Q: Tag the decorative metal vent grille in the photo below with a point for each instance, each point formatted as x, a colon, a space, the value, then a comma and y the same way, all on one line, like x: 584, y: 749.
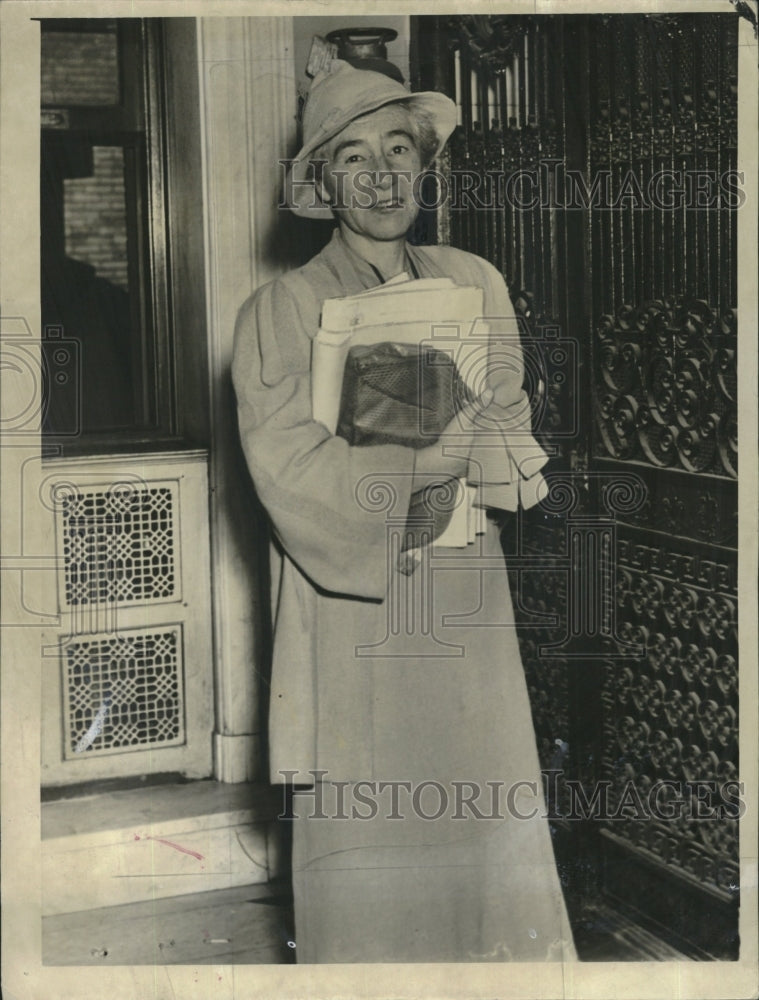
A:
x: 119, y: 545
x: 123, y: 692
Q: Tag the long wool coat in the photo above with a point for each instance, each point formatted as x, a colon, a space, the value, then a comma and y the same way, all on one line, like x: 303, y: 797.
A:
x: 412, y: 680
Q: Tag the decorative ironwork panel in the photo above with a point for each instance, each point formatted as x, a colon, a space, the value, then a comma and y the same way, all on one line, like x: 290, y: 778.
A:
x: 537, y: 594
x: 503, y: 154
x: 670, y: 719
x: 662, y: 255
x: 538, y: 579
x: 666, y: 387
x: 119, y: 544
x: 502, y: 205
x: 662, y: 156
x: 594, y: 164
x: 123, y: 692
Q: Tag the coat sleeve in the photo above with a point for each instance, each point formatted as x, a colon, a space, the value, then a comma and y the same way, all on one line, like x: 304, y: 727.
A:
x: 328, y: 502
x: 510, y: 478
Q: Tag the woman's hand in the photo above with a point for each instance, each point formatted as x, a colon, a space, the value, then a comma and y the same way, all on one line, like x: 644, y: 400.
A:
x: 448, y: 457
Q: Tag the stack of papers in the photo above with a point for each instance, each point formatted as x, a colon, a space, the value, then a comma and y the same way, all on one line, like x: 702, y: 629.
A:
x: 399, y: 312
x: 436, y: 313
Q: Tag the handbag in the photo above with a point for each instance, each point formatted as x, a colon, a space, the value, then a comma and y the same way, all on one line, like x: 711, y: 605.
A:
x: 404, y: 394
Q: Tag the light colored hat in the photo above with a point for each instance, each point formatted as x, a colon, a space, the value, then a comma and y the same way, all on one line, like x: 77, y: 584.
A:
x: 339, y: 95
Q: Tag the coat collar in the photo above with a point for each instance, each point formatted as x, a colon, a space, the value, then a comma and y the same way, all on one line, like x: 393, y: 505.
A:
x: 356, y: 274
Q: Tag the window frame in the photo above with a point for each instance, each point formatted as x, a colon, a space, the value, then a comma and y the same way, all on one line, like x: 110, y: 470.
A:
x: 138, y: 124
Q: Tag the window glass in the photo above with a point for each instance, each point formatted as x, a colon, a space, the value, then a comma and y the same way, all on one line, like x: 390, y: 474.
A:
x: 101, y: 239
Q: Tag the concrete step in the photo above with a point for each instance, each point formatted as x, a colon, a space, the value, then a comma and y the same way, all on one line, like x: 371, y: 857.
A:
x: 137, y: 845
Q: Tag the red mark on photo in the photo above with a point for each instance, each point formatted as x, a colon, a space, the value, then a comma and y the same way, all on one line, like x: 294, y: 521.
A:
x: 170, y: 843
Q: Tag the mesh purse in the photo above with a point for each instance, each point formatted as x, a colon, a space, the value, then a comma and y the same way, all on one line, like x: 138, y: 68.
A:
x: 404, y: 394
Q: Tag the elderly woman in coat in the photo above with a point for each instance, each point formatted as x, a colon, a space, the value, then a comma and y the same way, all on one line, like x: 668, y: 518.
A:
x: 419, y: 831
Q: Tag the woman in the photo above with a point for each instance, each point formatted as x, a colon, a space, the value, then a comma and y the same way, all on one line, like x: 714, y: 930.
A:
x: 423, y: 836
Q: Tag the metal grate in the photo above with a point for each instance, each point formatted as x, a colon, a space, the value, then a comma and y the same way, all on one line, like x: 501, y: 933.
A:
x: 123, y: 692
x: 650, y: 293
x: 119, y: 545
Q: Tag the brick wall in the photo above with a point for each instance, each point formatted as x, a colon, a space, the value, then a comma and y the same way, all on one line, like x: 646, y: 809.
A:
x: 79, y: 68
x: 95, y: 216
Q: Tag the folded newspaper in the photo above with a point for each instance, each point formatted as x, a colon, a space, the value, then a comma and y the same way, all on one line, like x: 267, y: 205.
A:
x: 440, y: 319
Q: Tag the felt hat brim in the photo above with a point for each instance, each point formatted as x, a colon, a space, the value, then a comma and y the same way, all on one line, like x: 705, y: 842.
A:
x: 337, y: 98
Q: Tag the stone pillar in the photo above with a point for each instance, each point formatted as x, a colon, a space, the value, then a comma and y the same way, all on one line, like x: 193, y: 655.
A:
x: 248, y: 107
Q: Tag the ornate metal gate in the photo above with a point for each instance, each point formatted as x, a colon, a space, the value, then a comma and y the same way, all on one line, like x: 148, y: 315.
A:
x: 595, y: 165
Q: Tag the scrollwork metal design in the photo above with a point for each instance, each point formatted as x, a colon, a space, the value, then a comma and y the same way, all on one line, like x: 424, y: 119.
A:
x: 660, y: 328
x: 666, y: 380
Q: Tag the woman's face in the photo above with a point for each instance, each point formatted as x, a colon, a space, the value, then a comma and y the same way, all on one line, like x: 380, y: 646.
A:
x: 370, y: 173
